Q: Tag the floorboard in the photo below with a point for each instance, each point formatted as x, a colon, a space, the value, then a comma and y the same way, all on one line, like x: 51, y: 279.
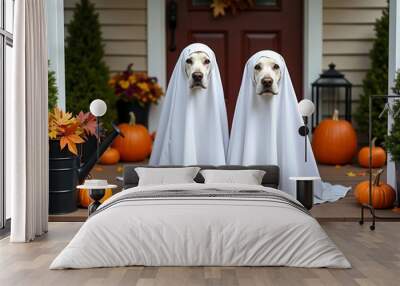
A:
x: 374, y: 255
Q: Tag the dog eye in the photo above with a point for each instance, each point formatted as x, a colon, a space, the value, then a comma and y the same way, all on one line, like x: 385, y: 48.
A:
x: 257, y: 67
x: 206, y: 61
x: 189, y: 61
x: 276, y: 67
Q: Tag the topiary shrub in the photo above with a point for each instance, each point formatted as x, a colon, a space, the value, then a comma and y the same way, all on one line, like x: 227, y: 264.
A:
x: 392, y: 141
x: 376, y: 81
x: 52, y: 90
x: 86, y: 74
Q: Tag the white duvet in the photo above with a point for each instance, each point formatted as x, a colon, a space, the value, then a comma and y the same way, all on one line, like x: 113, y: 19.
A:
x: 202, y: 231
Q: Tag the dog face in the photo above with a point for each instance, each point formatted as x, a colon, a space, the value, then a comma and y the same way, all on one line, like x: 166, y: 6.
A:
x: 267, y: 74
x: 197, y: 67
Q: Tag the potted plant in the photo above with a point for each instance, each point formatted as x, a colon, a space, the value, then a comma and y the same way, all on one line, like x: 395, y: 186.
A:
x: 67, y: 135
x: 135, y: 92
x: 392, y: 140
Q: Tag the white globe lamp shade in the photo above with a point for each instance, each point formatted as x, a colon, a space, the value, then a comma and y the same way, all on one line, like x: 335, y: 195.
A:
x: 306, y: 107
x: 98, y: 107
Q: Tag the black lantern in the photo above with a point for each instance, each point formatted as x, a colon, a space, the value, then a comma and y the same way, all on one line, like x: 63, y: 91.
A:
x: 331, y: 84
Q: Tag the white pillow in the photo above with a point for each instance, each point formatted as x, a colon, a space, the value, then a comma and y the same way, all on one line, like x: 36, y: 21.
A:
x: 166, y: 176
x: 248, y: 177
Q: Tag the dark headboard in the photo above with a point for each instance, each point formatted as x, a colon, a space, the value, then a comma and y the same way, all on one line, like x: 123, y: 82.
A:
x: 271, y: 177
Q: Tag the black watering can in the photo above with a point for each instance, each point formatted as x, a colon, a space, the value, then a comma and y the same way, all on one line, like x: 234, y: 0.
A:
x: 66, y: 171
x: 84, y: 170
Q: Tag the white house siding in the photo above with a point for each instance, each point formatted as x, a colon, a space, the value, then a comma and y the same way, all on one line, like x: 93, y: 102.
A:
x: 123, y: 25
x: 348, y: 31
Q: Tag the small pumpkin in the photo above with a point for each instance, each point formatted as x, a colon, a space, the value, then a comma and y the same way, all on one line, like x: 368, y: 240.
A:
x: 136, y: 143
x: 383, y: 195
x: 334, y: 141
x: 378, y: 156
x: 85, y: 200
x: 110, y: 156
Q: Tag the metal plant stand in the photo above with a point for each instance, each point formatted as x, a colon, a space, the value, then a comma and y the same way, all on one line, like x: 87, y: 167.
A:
x: 369, y: 206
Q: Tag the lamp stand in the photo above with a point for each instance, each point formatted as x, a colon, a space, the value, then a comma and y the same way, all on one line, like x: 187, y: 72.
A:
x: 303, y: 131
x: 98, y: 138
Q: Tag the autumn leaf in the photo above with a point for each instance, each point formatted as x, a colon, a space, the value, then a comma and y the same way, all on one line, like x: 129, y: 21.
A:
x: 351, y: 174
x: 53, y: 133
x: 62, y: 118
x: 63, y: 142
x: 88, y: 123
x: 218, y: 7
x: 70, y: 141
x: 75, y: 139
x: 72, y: 147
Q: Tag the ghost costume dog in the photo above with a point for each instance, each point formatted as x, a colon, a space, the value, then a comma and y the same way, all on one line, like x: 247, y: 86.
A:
x: 265, y: 131
x: 193, y: 126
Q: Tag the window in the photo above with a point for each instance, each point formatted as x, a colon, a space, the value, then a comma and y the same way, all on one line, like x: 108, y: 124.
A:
x: 6, y: 64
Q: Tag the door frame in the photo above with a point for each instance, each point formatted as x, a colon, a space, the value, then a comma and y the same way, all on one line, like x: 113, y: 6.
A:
x: 157, y: 47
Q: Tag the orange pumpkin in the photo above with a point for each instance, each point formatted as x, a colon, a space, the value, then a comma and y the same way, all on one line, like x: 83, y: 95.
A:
x: 136, y: 143
x: 85, y: 200
x: 334, y: 141
x: 383, y: 195
x: 110, y: 156
x: 378, y: 156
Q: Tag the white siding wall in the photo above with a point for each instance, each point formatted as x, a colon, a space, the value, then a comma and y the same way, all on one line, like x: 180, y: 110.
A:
x: 348, y: 31
x: 123, y: 24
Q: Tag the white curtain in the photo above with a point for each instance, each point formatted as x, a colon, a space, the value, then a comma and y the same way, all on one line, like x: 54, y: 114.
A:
x: 26, y: 124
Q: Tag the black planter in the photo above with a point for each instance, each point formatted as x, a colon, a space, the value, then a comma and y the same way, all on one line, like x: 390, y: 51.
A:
x: 63, y: 178
x: 141, y: 112
x: 397, y: 167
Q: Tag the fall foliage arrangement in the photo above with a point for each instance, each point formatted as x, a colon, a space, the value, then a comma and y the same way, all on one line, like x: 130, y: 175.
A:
x: 219, y: 7
x: 69, y: 129
x: 136, y: 86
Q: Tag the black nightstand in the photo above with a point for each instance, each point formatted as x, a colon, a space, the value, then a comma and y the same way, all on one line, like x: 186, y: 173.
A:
x: 305, y: 190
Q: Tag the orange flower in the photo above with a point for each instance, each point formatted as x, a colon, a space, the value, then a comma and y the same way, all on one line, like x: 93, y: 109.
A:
x: 132, y: 79
x: 124, y: 84
x: 143, y: 86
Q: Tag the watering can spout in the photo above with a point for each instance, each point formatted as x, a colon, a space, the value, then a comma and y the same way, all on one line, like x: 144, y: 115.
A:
x: 85, y: 169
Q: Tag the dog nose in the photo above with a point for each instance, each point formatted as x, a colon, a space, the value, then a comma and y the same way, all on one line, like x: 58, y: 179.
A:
x: 267, y: 81
x: 197, y: 76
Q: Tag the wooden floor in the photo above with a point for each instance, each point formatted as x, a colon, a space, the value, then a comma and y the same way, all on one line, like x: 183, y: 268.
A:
x: 374, y: 255
x: 346, y: 209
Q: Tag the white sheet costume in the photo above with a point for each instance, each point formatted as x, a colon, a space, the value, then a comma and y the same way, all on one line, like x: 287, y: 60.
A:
x: 265, y: 131
x: 193, y: 126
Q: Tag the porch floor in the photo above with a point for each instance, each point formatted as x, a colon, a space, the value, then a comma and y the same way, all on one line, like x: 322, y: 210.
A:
x: 346, y: 209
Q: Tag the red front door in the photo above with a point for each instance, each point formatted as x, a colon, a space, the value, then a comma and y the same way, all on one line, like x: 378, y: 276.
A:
x: 269, y: 25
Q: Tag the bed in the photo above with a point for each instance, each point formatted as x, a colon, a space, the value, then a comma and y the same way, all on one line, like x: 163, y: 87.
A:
x: 198, y: 224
